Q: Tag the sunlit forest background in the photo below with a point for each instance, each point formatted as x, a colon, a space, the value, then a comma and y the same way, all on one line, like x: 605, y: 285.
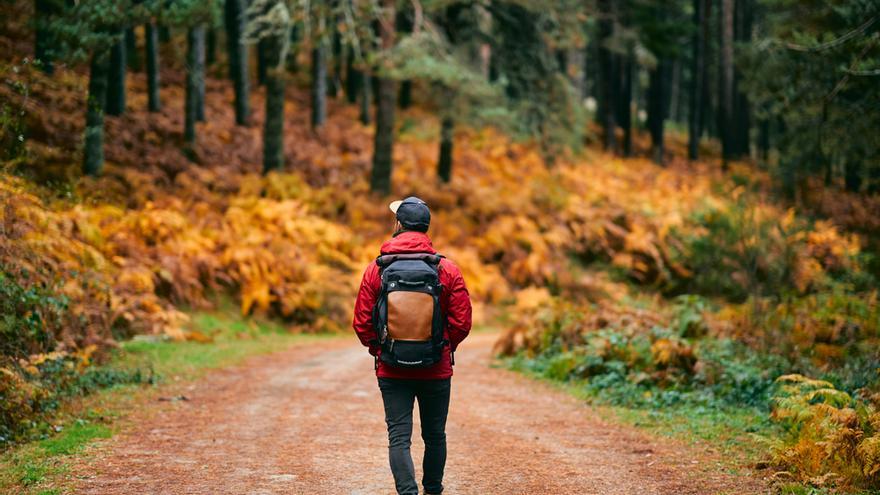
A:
x: 673, y: 205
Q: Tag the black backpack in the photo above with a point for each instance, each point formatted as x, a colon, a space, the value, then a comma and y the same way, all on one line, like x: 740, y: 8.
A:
x: 407, y: 317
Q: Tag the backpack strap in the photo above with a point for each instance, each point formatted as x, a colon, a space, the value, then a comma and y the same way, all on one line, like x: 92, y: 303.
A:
x: 429, y: 258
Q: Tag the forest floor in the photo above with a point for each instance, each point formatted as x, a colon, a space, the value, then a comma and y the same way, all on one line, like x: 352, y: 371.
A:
x: 310, y: 420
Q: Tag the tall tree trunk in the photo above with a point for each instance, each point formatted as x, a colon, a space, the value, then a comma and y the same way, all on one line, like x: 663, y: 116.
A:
x: 626, y: 103
x: 238, y: 58
x: 43, y: 39
x: 380, y: 179
x: 698, y: 78
x: 200, y: 70
x: 444, y: 162
x: 151, y: 35
x: 404, y: 99
x: 273, y: 130
x: 674, y: 85
x: 210, y: 46
x: 116, y: 79
x: 404, y: 23
x: 334, y: 84
x: 319, y: 85
x: 131, y: 52
x: 195, y: 39
x: 262, y: 63
x: 742, y: 110
x: 93, y: 149
x: 606, y: 75
x: 657, y: 105
x: 353, y: 79
x: 725, y: 82
x: 366, y: 94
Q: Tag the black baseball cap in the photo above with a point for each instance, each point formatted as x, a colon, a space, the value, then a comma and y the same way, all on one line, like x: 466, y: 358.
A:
x: 412, y: 213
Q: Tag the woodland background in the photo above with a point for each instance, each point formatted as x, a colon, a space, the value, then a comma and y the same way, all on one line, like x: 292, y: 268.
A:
x: 669, y: 204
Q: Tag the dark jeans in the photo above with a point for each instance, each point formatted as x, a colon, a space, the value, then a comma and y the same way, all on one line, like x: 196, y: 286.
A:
x: 433, y: 396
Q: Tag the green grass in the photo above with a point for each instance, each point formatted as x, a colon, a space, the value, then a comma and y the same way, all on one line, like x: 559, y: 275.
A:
x: 736, y: 432
x: 40, y: 467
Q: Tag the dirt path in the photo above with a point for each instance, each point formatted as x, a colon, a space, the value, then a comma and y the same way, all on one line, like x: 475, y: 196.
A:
x: 309, y: 421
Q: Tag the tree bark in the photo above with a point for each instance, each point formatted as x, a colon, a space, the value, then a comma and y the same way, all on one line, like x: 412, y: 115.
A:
x: 353, y: 79
x: 334, y: 83
x: 200, y: 70
x: 273, y: 130
x: 742, y: 109
x: 380, y: 179
x: 606, y: 76
x: 210, y: 46
x: 262, y: 63
x: 725, y: 82
x: 444, y: 162
x: 626, y: 103
x: 319, y: 85
x: 404, y: 99
x: 116, y: 79
x: 152, y: 48
x: 238, y: 58
x: 698, y: 79
x: 657, y: 105
x: 366, y: 97
x: 93, y: 149
x: 195, y: 38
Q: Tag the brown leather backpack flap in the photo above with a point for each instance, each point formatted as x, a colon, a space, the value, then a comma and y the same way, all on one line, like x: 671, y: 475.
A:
x: 410, y: 315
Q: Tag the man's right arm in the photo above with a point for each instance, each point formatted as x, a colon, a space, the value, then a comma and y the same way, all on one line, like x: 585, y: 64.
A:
x: 363, y: 309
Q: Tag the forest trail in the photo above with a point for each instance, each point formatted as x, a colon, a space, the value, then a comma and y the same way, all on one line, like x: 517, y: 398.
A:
x: 309, y: 420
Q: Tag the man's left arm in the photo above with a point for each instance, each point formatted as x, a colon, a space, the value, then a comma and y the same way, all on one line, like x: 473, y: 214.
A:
x: 458, y: 313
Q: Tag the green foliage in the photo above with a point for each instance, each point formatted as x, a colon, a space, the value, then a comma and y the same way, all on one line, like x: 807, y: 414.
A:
x: 814, y: 71
x: 93, y: 26
x: 29, y: 313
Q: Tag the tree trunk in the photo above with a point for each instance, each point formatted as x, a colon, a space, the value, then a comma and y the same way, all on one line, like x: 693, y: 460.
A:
x: 93, y: 149
x: 210, y: 46
x: 116, y: 79
x: 657, y: 105
x: 444, y: 162
x: 725, y: 82
x: 334, y: 83
x: 131, y: 52
x: 674, y: 84
x: 606, y: 76
x: 195, y: 38
x: 261, y: 62
x: 238, y: 58
x: 164, y: 34
x: 626, y: 103
x: 152, y: 48
x: 200, y: 70
x: 353, y: 79
x: 43, y: 39
x: 366, y: 97
x: 273, y: 130
x: 404, y: 99
x: 698, y: 79
x: 380, y: 179
x: 742, y: 110
x: 319, y: 85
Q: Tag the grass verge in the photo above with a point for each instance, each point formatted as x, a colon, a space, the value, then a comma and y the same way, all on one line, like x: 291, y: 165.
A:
x: 41, y: 467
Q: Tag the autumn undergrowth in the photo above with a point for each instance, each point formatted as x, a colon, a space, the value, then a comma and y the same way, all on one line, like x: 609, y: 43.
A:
x: 38, y: 463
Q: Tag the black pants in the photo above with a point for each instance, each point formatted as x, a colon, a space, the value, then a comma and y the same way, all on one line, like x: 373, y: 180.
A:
x: 433, y: 396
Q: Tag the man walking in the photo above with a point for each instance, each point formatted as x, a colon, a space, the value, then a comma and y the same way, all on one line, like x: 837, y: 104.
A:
x: 412, y: 311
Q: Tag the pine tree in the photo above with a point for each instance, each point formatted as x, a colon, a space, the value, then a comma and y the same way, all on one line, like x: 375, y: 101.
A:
x: 151, y: 35
x: 380, y: 177
x: 237, y: 54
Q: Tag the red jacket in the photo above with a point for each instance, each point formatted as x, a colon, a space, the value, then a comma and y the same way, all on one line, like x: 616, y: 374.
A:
x: 454, y: 301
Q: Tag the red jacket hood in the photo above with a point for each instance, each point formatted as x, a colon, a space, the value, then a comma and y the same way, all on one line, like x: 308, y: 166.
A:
x: 408, y: 242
